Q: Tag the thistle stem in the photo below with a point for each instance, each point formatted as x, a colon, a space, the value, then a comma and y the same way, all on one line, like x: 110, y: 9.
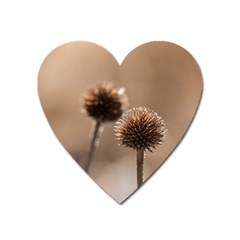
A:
x: 140, y: 161
x: 93, y: 140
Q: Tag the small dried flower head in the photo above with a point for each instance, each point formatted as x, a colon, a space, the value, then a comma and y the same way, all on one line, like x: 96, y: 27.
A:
x: 140, y: 128
x: 105, y: 102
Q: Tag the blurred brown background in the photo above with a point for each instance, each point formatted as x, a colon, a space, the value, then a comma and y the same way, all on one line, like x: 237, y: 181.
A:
x: 158, y: 75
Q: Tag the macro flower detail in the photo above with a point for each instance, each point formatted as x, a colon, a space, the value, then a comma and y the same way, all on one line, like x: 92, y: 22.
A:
x: 140, y: 128
x: 104, y: 102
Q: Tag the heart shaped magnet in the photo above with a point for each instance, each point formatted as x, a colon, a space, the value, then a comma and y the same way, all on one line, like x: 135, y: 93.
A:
x: 119, y: 122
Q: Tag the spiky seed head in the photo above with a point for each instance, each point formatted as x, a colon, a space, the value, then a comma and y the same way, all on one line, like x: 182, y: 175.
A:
x: 140, y: 128
x: 104, y: 102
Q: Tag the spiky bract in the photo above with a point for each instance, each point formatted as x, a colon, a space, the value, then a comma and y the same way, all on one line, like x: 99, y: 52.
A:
x: 104, y: 102
x: 140, y: 128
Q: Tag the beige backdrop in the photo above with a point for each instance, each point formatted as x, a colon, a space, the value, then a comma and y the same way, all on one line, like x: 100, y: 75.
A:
x: 158, y: 75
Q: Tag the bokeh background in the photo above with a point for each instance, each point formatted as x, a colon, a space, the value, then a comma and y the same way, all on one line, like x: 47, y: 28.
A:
x: 158, y: 75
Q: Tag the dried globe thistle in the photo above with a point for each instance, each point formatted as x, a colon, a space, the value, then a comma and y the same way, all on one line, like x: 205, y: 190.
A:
x: 103, y: 103
x: 141, y: 129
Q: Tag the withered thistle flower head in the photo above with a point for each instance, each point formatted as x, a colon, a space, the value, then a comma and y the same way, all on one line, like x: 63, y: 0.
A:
x: 104, y: 102
x: 140, y: 128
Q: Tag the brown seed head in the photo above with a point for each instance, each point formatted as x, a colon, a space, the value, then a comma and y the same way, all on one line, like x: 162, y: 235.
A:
x: 105, y: 102
x: 140, y: 128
